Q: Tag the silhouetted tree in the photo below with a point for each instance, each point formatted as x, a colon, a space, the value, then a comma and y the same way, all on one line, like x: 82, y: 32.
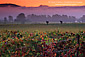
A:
x: 5, y: 20
x: 47, y: 22
x: 61, y: 22
x: 82, y: 18
x: 10, y: 19
x: 53, y: 18
x: 21, y: 18
x: 72, y: 19
x: 65, y: 18
x: 56, y: 17
x: 37, y: 18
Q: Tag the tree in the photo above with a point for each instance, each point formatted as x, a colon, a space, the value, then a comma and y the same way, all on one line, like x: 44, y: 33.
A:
x: 56, y: 17
x: 10, y: 19
x: 65, y: 18
x: 72, y: 19
x: 61, y: 22
x: 82, y: 18
x: 21, y: 18
x: 47, y: 22
x: 5, y: 20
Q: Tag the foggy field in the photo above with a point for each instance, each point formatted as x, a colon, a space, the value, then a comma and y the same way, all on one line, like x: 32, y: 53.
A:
x: 72, y: 27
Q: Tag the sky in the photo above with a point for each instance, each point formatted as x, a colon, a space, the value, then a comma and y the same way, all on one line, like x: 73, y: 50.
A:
x: 34, y: 3
x: 77, y: 12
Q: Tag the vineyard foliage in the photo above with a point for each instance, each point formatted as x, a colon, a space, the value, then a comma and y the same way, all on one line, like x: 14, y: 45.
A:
x: 41, y: 44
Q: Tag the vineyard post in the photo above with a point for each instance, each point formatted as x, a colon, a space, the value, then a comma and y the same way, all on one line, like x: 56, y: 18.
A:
x: 78, y: 37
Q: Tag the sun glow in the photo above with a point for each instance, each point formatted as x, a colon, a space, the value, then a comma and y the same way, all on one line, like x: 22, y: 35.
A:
x: 34, y: 3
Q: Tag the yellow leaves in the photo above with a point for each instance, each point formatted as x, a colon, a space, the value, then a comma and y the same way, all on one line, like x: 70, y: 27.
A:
x: 46, y: 36
x: 55, y: 55
x: 52, y: 40
x: 9, y: 51
x: 16, y: 52
x: 42, y: 46
x: 23, y: 37
x: 9, y: 39
x: 17, y: 38
x: 40, y: 36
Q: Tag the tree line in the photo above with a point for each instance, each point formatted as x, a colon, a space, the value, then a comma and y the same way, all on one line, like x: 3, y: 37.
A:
x: 21, y: 18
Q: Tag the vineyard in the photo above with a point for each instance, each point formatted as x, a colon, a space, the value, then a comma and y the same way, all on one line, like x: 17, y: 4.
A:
x: 41, y: 44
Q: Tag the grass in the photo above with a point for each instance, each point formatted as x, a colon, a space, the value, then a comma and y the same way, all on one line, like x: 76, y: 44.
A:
x: 70, y: 27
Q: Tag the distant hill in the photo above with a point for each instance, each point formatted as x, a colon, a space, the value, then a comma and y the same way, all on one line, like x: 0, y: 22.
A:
x: 62, y: 6
x: 9, y: 5
x: 45, y: 6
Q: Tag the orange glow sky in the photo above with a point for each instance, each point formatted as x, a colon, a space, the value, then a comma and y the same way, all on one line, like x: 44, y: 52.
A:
x: 35, y: 3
